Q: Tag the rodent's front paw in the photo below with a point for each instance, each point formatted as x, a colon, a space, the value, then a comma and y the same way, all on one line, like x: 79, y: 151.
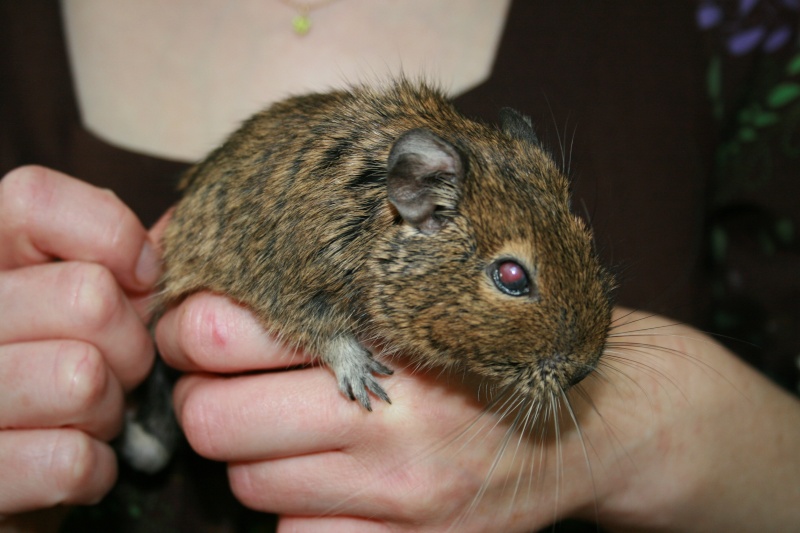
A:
x: 356, y: 384
x: 355, y: 368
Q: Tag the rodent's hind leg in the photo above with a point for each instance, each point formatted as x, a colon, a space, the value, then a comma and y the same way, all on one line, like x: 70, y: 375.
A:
x: 355, y: 367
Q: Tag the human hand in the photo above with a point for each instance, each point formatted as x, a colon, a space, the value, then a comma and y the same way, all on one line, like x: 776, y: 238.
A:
x: 75, y: 267
x: 668, y: 410
x: 703, y: 441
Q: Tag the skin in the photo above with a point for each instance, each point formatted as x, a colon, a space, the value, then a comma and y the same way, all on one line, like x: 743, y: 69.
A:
x: 681, y: 436
x: 669, y: 420
x: 74, y: 262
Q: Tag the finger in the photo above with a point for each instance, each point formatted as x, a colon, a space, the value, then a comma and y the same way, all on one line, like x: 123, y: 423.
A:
x: 341, y: 484
x: 308, y: 485
x: 79, y: 301
x: 45, y: 215
x: 267, y: 415
x: 211, y: 333
x: 156, y: 232
x: 144, y: 302
x: 282, y: 414
x: 381, y: 482
x: 58, y: 384
x: 43, y: 468
x: 332, y: 524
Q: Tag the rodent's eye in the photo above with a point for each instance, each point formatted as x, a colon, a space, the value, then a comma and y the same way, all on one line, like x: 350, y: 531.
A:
x: 511, y: 278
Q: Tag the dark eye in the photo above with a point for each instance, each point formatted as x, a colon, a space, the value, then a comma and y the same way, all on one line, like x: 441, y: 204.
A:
x: 511, y: 278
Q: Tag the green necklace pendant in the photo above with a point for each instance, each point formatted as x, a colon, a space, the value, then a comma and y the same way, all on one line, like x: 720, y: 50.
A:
x: 301, y: 24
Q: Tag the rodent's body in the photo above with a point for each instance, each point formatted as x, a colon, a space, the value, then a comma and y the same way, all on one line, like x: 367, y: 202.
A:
x: 382, y: 214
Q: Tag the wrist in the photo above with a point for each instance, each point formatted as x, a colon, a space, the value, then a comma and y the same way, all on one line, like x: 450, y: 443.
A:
x: 691, y: 439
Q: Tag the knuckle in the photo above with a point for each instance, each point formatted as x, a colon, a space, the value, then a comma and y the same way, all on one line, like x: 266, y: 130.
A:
x: 245, y: 486
x: 139, y: 360
x: 96, y: 298
x: 83, y: 377
x: 73, y: 460
x: 21, y: 190
x: 200, y: 421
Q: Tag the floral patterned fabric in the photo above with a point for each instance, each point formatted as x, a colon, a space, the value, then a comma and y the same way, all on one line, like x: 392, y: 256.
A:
x: 753, y: 85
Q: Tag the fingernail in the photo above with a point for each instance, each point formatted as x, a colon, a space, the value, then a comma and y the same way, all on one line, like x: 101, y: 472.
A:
x: 148, y: 267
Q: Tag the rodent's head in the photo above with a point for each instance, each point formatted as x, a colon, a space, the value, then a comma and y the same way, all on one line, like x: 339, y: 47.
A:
x: 488, y: 268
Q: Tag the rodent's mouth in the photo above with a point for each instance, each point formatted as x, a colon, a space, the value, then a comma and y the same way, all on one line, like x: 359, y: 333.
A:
x: 556, y: 374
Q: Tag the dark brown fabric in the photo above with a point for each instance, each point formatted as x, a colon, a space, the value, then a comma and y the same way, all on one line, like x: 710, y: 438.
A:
x: 40, y: 123
x: 625, y: 107
x: 641, y: 105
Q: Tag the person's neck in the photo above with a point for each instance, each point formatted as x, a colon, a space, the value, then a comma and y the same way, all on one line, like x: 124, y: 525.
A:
x: 174, y: 78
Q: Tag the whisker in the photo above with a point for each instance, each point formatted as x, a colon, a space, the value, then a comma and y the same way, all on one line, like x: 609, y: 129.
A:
x: 642, y: 366
x: 527, y: 421
x: 571, y: 412
x: 615, y: 322
x: 648, y: 350
x: 571, y: 150
x: 492, y: 468
x: 554, y: 409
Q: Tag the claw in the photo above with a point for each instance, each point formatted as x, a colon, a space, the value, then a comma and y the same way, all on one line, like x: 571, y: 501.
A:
x: 377, y: 390
x: 363, y: 397
x: 354, y: 368
x: 378, y: 368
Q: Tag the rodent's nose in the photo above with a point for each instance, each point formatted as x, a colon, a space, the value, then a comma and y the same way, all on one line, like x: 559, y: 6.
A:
x: 579, y: 375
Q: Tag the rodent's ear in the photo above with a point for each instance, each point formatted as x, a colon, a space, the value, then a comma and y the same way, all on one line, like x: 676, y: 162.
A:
x: 423, y: 175
x: 517, y: 125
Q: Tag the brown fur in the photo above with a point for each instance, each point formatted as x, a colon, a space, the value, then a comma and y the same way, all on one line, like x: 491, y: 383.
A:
x: 291, y: 217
